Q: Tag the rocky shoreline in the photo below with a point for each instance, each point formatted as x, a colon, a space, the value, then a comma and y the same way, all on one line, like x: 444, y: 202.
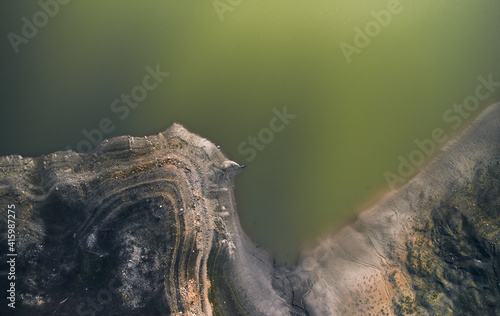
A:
x: 148, y: 226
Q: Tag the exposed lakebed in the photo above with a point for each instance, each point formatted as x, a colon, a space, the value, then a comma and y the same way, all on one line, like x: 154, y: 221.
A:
x: 355, y: 116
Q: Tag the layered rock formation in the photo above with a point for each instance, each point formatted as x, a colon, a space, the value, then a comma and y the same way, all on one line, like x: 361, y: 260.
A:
x: 139, y: 226
x: 148, y: 226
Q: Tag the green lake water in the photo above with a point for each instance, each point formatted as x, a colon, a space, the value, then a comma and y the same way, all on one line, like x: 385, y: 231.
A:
x: 230, y: 71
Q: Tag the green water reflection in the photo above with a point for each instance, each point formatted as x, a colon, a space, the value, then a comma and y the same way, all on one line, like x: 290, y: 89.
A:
x: 352, y: 119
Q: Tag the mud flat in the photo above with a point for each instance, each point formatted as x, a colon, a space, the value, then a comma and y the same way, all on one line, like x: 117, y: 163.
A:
x: 429, y: 248
x: 148, y: 226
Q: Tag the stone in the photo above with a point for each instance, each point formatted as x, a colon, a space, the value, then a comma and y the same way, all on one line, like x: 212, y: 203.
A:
x: 148, y: 226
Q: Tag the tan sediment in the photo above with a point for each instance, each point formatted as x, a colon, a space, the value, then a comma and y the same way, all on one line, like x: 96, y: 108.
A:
x: 156, y: 217
x: 360, y: 270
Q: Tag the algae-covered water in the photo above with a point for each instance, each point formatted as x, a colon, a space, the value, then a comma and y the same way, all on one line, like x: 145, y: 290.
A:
x: 327, y: 103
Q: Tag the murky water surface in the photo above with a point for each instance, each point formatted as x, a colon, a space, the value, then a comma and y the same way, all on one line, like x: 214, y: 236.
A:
x: 322, y: 100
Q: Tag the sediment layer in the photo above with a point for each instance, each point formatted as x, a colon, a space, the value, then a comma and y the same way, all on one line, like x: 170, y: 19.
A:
x: 429, y: 248
x: 148, y: 226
